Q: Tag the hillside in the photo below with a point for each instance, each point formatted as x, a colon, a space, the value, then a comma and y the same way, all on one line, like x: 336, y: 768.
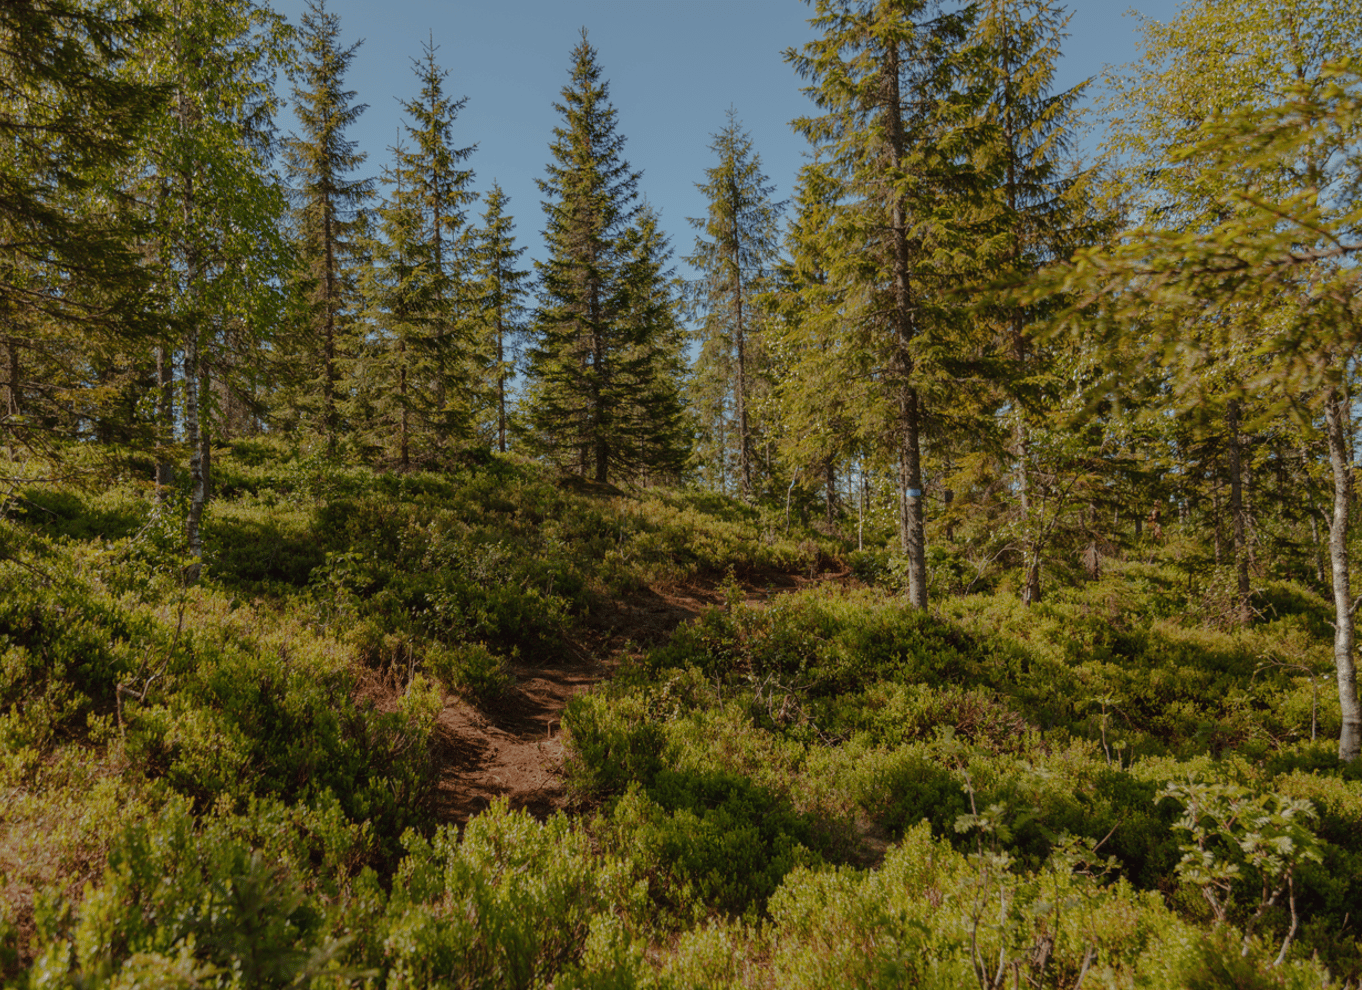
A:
x: 492, y: 728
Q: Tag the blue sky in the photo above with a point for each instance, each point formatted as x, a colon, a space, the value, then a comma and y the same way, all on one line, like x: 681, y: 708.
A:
x: 674, y: 67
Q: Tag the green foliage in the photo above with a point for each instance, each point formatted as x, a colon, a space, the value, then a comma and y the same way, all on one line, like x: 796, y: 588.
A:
x: 510, y: 901
x: 1023, y: 725
x: 830, y: 785
x: 603, y: 391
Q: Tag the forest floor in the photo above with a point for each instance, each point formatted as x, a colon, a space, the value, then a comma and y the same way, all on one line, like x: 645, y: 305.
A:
x: 513, y: 747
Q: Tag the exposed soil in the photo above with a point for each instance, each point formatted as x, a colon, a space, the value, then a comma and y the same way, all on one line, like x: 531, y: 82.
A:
x: 513, y: 747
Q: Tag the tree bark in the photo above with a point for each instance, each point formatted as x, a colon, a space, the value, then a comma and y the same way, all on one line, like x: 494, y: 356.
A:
x: 13, y: 406
x: 1219, y: 525
x: 501, y: 370
x: 861, y: 507
x: 829, y: 493
x: 190, y: 367
x: 404, y: 426
x: 1031, y: 584
x: 330, y: 288
x: 740, y: 385
x: 1350, y: 738
x: 905, y: 329
x: 205, y: 438
x: 1241, y: 557
x: 910, y: 502
x: 198, y: 490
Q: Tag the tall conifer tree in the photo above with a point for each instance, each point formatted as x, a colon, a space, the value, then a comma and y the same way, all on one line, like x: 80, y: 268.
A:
x: 593, y: 354
x: 653, y: 443
x: 328, y: 200
x: 898, y: 138
x: 498, y: 290
x: 70, y: 257
x: 734, y: 252
x: 402, y: 290
x: 827, y: 410
x: 1038, y: 220
x: 438, y: 184
x: 415, y: 371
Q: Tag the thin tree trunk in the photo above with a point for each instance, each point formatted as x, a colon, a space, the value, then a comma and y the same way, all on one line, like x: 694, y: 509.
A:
x: 1219, y: 525
x: 861, y: 505
x: 910, y: 495
x: 1350, y: 739
x: 13, y: 405
x: 1315, y: 514
x: 829, y: 492
x: 205, y: 438
x: 165, y: 417
x: 329, y: 288
x: 191, y: 369
x: 1031, y: 562
x: 501, y: 374
x: 1241, y: 560
x: 910, y: 454
x: 198, y: 489
x: 602, y: 447
x: 740, y: 394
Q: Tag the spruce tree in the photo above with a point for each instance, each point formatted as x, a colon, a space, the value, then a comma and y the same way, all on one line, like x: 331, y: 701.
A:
x: 412, y: 371
x: 328, y: 201
x: 592, y: 355
x: 826, y: 411
x: 1038, y: 222
x: 651, y: 426
x: 734, y: 252
x: 438, y: 187
x: 497, y: 292
x: 395, y: 368
x: 899, y: 137
x: 74, y: 287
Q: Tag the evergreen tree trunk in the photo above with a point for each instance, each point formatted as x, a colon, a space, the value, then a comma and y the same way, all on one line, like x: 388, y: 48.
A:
x: 329, y: 329
x: 1020, y: 436
x: 205, y: 438
x: 165, y: 415
x: 829, y: 492
x: 1241, y: 560
x: 197, y: 491
x: 861, y: 507
x: 740, y: 395
x: 1031, y: 585
x: 1219, y: 525
x: 501, y: 378
x: 910, y: 501
x: 191, y: 369
x: 910, y: 460
x: 404, y: 427
x: 1315, y: 515
x: 601, y: 447
x: 13, y: 405
x: 1350, y: 739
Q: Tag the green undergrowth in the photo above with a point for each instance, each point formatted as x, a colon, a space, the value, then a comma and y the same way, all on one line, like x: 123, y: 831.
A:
x: 226, y: 782
x: 290, y: 695
x: 772, y: 751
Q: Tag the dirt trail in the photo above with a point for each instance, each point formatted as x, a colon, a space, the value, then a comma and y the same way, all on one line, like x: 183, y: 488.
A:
x: 514, y: 746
